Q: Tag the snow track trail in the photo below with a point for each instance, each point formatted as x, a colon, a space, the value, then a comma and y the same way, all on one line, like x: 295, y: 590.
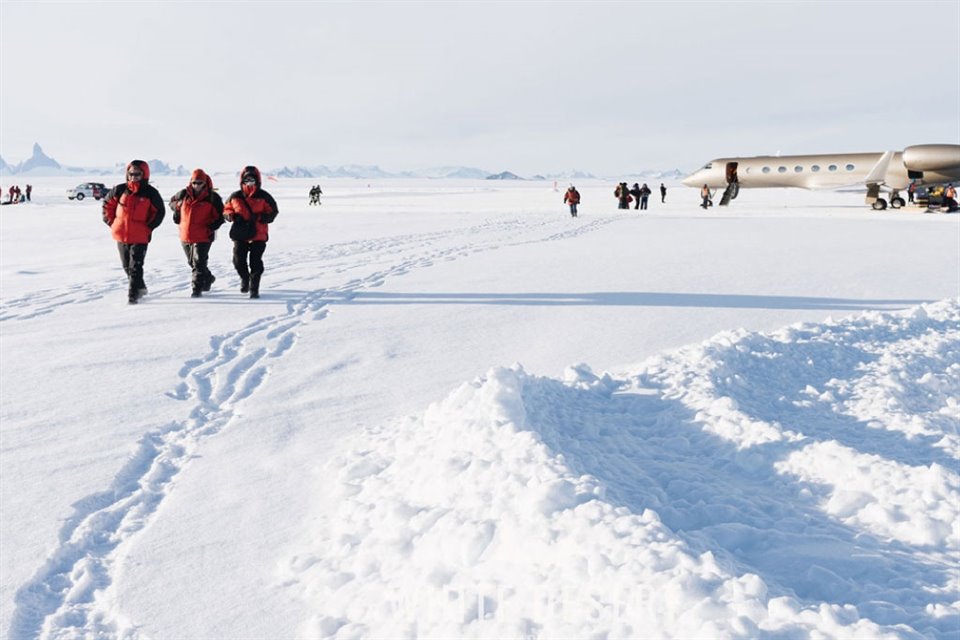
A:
x: 747, y: 486
x: 69, y: 596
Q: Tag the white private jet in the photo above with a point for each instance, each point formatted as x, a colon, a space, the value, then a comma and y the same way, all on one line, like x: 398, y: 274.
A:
x: 891, y: 171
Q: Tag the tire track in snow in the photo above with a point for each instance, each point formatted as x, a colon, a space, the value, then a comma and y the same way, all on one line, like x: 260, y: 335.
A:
x: 68, y: 596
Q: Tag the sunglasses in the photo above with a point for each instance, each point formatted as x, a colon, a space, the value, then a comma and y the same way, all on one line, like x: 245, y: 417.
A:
x: 199, y: 183
x: 250, y: 180
x: 134, y: 174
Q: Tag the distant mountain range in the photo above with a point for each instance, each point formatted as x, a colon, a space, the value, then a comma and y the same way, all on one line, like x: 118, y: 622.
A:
x: 39, y: 164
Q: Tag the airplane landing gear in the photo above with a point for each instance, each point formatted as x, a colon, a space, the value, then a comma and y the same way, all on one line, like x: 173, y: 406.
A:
x: 896, y: 201
x: 879, y: 204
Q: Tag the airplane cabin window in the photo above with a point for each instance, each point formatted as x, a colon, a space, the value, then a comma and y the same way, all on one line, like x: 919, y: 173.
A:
x: 782, y: 169
x: 798, y: 169
x: 832, y: 167
x: 850, y: 167
x: 766, y: 169
x: 815, y: 168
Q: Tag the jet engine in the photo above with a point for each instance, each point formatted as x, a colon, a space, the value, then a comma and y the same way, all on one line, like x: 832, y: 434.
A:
x: 942, y: 159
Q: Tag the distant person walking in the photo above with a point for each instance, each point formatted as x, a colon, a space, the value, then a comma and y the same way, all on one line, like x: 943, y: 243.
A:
x: 705, y: 194
x: 29, y: 191
x: 911, y: 191
x: 644, y: 195
x: 635, y: 193
x: 572, y: 198
x: 663, y: 193
x: 132, y: 210
x: 198, y: 209
x: 250, y: 207
x: 623, y: 196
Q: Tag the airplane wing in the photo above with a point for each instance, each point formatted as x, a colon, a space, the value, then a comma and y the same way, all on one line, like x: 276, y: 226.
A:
x: 878, y: 174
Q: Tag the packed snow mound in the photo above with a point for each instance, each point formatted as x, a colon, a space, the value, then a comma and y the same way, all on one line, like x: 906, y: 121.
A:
x: 680, y: 499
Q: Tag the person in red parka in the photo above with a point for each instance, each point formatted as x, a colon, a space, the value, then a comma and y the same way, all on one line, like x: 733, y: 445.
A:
x: 132, y: 210
x: 198, y: 210
x: 572, y: 197
x: 251, y: 203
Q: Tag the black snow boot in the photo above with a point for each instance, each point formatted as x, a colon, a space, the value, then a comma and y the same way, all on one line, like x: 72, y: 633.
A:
x: 208, y: 281
x: 195, y: 293
x: 244, y: 284
x: 255, y: 285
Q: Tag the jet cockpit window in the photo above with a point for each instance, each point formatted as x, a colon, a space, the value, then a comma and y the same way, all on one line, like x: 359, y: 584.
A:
x: 709, y: 165
x: 850, y: 167
x: 815, y: 168
x: 832, y: 167
x: 781, y: 169
x: 798, y: 169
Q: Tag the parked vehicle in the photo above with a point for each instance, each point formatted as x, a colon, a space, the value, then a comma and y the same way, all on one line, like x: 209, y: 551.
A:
x: 95, y: 190
x: 930, y: 196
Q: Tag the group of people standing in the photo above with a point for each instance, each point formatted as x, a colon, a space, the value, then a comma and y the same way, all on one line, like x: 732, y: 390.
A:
x: 15, y: 195
x: 625, y: 195
x: 134, y: 208
x: 636, y: 193
x: 315, y: 193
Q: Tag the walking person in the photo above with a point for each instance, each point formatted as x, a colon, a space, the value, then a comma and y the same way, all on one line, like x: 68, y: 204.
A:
x: 635, y: 192
x: 663, y: 193
x: 250, y: 208
x: 572, y: 197
x: 911, y: 191
x: 29, y: 191
x: 705, y: 194
x: 132, y: 210
x: 644, y: 195
x: 198, y: 209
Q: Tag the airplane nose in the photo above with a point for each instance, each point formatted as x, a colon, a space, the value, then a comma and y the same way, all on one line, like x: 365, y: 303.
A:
x: 691, y: 180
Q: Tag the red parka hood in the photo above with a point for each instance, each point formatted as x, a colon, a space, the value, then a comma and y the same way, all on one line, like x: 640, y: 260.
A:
x: 142, y: 166
x: 200, y: 174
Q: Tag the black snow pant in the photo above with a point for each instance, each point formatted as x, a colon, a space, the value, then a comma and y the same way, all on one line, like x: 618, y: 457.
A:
x: 198, y: 253
x: 643, y: 202
x: 132, y: 257
x: 241, y: 250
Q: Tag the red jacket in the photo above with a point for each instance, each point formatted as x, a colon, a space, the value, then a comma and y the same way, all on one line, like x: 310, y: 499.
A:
x: 133, y: 209
x: 572, y: 196
x: 252, y: 200
x: 199, y: 213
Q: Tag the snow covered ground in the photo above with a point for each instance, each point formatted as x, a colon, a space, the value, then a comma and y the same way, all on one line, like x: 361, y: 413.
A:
x: 458, y: 412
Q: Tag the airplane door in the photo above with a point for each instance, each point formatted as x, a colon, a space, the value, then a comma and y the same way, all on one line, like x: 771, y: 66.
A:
x: 732, y: 172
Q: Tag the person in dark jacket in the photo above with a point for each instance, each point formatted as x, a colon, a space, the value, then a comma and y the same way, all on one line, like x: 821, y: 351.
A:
x: 29, y: 191
x: 623, y: 196
x: 198, y: 210
x: 635, y: 192
x: 644, y: 195
x: 663, y: 193
x: 132, y: 210
x: 250, y: 203
x: 572, y: 197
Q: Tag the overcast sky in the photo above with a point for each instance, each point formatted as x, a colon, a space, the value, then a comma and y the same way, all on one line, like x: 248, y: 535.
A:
x: 530, y: 87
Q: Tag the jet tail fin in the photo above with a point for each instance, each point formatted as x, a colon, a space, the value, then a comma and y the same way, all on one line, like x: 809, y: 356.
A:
x: 878, y: 174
